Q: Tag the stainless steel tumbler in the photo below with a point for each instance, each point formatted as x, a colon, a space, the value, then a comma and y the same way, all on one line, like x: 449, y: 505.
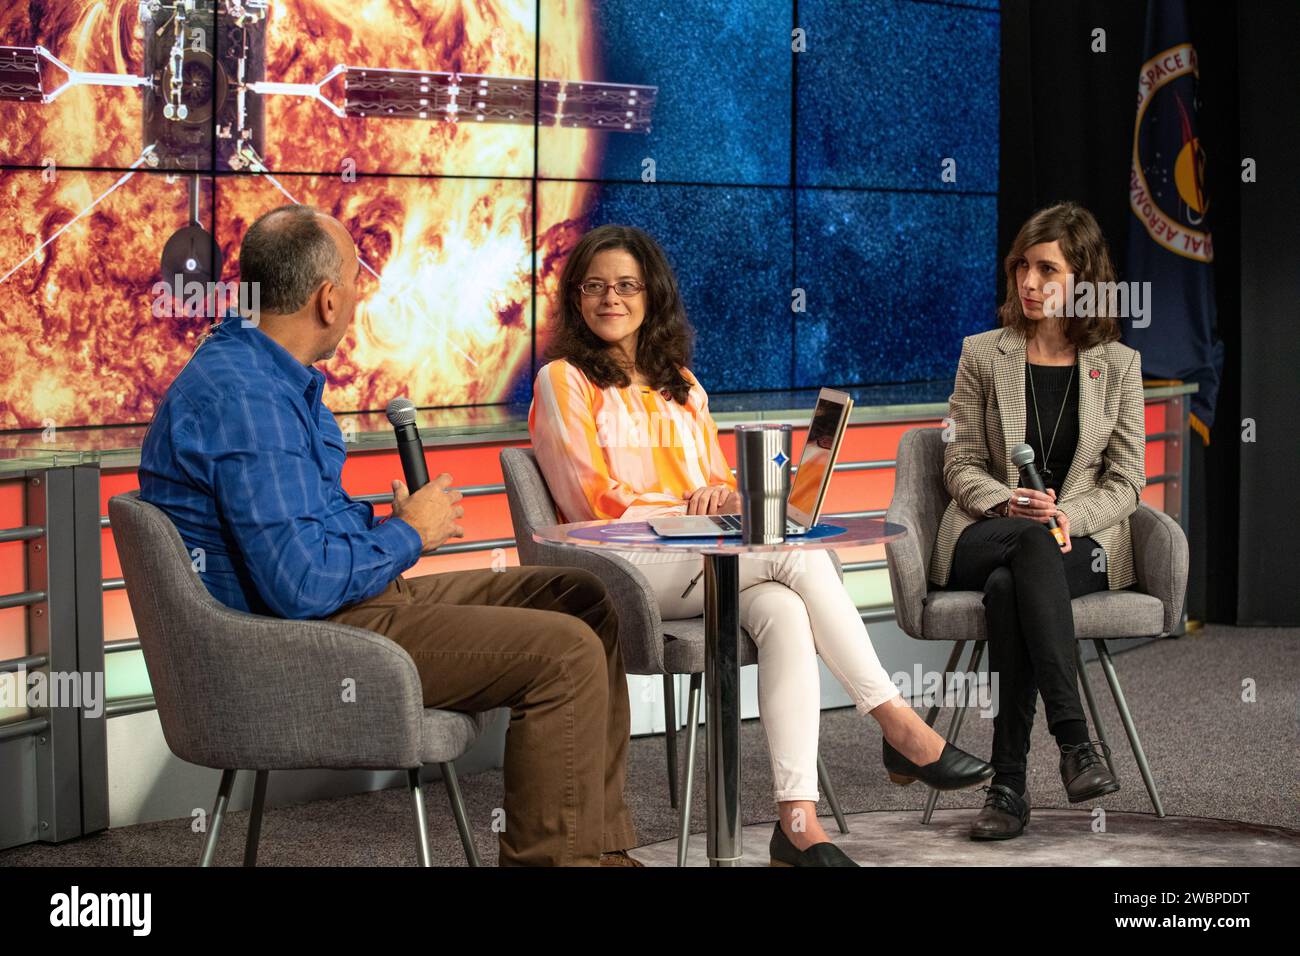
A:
x: 763, y: 477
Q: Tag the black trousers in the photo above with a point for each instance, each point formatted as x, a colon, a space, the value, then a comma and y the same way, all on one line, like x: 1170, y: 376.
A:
x: 1028, y: 585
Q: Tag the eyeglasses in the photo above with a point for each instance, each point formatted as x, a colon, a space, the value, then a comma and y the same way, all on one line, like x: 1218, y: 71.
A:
x: 625, y: 288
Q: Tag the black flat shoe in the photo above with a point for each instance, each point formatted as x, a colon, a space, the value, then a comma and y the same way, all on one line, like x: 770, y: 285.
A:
x: 954, y: 770
x: 1084, y: 772
x: 785, y: 853
x: 1004, y: 817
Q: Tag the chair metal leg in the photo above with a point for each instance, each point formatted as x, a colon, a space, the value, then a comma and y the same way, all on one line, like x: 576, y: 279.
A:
x: 1092, y: 707
x: 1139, y: 754
x: 255, y: 818
x: 957, y: 648
x: 458, y: 811
x: 824, y: 779
x: 670, y: 736
x: 218, y: 815
x: 954, y: 728
x: 692, y: 728
x: 421, y: 821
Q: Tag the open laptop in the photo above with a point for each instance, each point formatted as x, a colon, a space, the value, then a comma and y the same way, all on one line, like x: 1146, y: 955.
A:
x: 807, y: 490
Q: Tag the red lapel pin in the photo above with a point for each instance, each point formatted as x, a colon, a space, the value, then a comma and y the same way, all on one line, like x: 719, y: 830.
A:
x: 1094, y: 373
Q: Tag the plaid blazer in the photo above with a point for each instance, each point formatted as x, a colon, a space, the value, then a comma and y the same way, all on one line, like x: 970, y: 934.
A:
x: 987, y: 417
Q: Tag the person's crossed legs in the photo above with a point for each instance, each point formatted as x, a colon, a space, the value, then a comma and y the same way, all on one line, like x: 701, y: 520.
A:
x: 543, y: 642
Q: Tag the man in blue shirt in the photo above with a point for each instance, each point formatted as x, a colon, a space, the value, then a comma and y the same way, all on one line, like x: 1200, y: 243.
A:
x: 246, y: 459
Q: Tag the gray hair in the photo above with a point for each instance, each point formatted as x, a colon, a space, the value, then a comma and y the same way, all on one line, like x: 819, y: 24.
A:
x: 288, y: 253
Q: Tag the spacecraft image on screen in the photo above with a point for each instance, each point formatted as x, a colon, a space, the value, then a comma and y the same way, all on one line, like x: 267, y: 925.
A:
x: 466, y: 145
x: 140, y: 139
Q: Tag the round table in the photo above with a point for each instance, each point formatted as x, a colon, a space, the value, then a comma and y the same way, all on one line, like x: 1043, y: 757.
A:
x: 722, y: 636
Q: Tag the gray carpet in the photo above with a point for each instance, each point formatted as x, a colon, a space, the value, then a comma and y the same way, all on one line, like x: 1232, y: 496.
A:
x: 1077, y: 837
x: 1213, y: 756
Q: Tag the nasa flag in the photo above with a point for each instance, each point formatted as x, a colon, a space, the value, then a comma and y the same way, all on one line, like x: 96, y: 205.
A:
x: 1169, y: 232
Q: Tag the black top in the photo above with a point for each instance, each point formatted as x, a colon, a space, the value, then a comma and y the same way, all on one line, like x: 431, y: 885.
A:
x: 1050, y: 384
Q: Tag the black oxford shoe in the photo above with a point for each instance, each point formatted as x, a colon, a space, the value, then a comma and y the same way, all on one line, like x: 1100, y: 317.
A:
x: 1005, y: 814
x: 954, y: 770
x: 1084, y: 772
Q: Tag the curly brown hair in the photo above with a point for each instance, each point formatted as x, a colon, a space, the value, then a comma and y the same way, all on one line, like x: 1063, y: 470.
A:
x: 665, y: 339
x: 1085, y: 251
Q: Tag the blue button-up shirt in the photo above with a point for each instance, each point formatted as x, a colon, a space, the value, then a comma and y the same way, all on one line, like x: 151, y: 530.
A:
x: 245, y: 459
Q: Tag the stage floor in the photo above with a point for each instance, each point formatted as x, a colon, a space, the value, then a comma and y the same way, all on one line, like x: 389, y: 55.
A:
x: 1053, y: 838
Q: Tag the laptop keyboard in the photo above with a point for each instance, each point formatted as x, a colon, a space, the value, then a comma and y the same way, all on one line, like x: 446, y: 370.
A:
x: 732, y: 523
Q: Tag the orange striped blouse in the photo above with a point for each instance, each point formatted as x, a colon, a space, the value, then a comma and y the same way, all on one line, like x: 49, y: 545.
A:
x: 621, y: 452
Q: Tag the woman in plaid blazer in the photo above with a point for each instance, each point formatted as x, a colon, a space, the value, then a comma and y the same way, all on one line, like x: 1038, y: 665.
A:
x: 1053, y: 376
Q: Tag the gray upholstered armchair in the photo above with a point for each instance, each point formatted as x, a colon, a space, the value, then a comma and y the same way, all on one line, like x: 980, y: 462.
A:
x: 1153, y: 607
x: 237, y: 691
x: 649, y: 644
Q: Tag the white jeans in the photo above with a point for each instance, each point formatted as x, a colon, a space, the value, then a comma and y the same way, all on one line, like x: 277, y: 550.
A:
x: 794, y: 606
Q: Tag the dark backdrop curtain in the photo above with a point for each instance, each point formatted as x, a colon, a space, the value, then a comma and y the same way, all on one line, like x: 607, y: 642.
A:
x: 1269, y: 43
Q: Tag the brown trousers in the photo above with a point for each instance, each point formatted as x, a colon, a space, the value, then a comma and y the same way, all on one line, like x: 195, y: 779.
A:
x: 543, y: 642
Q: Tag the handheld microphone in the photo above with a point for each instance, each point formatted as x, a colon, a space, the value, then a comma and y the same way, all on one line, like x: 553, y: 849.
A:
x: 1022, y: 456
x: 401, y: 414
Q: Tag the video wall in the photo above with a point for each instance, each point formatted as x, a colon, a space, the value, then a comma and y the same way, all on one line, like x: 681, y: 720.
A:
x: 827, y: 194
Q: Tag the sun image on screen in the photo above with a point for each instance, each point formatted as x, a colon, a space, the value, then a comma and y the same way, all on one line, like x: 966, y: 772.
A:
x: 138, y: 140
x: 466, y: 145
x: 816, y: 460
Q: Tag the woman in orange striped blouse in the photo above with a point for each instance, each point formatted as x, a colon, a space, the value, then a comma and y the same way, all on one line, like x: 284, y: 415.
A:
x: 621, y: 429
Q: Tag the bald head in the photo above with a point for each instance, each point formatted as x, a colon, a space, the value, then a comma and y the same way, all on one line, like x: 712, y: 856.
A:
x: 289, y: 252
x: 305, y: 268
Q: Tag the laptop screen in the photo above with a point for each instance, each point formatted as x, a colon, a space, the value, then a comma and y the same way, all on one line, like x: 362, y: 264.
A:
x: 816, y: 458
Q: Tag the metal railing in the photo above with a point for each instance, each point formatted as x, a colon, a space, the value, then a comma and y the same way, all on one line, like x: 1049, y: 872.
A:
x: 64, y: 635
x: 138, y: 704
